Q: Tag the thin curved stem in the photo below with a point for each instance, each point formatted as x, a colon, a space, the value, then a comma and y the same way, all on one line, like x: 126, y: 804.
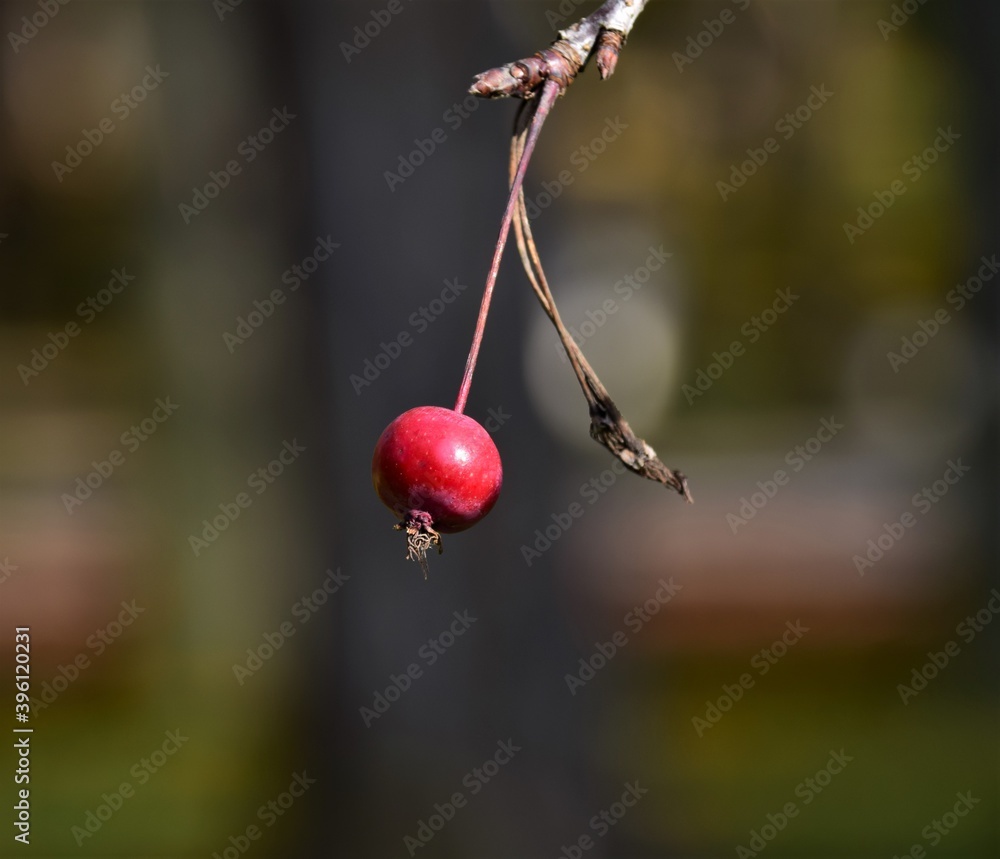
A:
x: 607, y: 424
x: 550, y: 92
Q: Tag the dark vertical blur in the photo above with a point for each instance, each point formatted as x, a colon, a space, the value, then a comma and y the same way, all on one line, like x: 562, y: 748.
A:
x: 238, y: 238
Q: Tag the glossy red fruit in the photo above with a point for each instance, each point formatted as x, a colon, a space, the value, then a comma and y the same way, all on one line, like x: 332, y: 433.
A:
x: 436, y: 469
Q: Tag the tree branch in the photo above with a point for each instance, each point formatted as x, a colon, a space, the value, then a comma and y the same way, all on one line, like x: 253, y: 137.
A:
x: 603, y: 33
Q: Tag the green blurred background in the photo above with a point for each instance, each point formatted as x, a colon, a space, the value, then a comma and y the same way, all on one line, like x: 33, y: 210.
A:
x: 290, y: 121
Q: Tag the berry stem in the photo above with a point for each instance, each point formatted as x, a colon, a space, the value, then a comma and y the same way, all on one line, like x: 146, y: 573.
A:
x: 607, y: 424
x: 550, y: 92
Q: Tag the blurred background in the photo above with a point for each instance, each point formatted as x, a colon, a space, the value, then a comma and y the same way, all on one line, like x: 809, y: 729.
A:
x: 238, y: 238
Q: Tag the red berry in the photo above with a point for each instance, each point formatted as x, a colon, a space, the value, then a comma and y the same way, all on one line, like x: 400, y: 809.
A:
x: 438, y: 462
